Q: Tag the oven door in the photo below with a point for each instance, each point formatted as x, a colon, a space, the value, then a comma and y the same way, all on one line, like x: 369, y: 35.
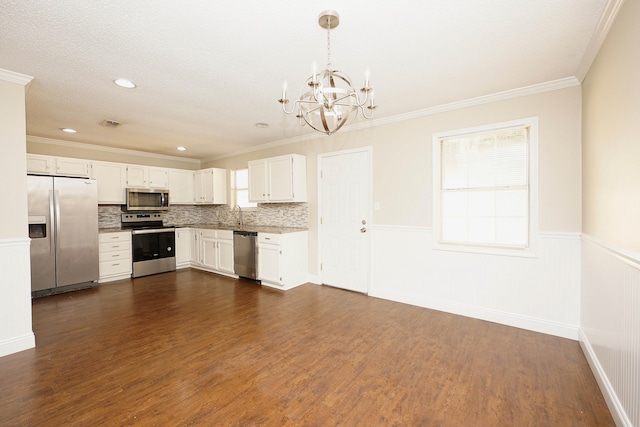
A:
x: 152, y: 244
x: 153, y: 251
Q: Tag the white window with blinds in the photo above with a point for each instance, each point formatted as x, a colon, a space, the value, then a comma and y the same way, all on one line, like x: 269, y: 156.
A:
x: 485, y: 188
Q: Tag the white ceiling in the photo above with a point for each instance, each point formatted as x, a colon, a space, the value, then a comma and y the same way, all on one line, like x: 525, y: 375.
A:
x: 207, y: 72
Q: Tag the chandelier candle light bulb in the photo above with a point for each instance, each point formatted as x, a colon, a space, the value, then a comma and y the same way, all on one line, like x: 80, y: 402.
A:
x: 331, y: 100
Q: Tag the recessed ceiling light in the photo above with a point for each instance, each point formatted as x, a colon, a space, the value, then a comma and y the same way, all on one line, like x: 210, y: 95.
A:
x: 181, y: 148
x: 262, y: 125
x: 125, y: 83
x: 68, y: 130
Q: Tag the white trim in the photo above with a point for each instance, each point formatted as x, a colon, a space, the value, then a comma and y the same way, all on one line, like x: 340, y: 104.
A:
x: 629, y: 257
x: 613, y: 402
x: 510, y: 319
x: 535, y: 89
x: 314, y: 279
x: 391, y: 227
x: 13, y: 77
x: 18, y: 241
x: 607, y: 18
x: 16, y: 344
x: 559, y: 235
x: 85, y: 146
x: 532, y: 249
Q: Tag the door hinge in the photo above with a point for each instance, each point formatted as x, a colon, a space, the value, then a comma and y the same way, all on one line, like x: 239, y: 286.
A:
x: 320, y: 266
x: 320, y: 220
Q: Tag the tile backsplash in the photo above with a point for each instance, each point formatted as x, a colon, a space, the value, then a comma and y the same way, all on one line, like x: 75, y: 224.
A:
x: 268, y: 214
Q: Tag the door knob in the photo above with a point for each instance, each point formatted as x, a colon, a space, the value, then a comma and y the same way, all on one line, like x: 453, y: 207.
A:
x: 363, y: 230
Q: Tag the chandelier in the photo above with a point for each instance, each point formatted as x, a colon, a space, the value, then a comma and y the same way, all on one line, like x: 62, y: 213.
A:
x: 331, y: 98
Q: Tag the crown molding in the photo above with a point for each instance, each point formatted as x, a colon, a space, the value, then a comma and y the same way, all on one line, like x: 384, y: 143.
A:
x: 563, y: 83
x: 609, y: 13
x: 126, y: 151
x: 13, y: 77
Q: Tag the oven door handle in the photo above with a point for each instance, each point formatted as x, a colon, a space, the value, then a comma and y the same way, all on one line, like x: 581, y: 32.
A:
x: 153, y: 230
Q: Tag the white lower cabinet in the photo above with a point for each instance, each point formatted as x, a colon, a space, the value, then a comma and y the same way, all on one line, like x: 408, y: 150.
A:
x: 214, y: 250
x: 114, y: 256
x: 282, y: 259
x: 183, y: 247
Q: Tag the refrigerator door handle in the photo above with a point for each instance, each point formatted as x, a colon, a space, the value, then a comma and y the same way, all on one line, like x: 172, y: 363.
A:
x: 52, y: 220
x: 56, y: 218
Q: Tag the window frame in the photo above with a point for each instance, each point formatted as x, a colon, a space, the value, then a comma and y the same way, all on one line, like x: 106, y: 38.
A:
x: 235, y: 189
x: 528, y: 251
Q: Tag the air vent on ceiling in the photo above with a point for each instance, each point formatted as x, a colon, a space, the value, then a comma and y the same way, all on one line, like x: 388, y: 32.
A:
x: 109, y: 123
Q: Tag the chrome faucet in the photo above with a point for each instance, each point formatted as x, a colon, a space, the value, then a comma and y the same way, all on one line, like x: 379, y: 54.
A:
x: 240, y: 214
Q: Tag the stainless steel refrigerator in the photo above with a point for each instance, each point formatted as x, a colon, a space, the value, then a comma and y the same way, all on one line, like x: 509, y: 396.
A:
x: 63, y: 227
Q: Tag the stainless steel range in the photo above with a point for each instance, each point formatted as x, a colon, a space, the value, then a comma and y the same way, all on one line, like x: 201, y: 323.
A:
x: 152, y: 244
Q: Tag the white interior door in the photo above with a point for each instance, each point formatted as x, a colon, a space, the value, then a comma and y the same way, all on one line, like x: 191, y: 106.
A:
x: 345, y: 211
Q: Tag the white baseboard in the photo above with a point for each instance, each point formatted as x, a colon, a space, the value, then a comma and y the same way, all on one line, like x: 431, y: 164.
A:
x: 17, y: 344
x: 504, y: 318
x: 615, y: 406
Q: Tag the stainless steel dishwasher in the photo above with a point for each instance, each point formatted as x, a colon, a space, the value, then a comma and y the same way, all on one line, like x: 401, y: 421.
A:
x: 244, y: 254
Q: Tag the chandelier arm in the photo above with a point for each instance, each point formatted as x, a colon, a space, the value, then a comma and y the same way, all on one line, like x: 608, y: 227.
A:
x: 364, y: 101
x: 364, y: 113
x: 293, y: 106
x: 337, y: 100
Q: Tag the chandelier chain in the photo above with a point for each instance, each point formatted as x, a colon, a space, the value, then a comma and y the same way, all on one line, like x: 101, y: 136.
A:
x: 329, y: 43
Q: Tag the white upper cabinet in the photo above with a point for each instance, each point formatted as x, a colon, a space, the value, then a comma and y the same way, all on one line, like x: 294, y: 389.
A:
x: 137, y: 176
x: 40, y: 164
x: 72, y: 167
x: 211, y: 186
x: 111, y: 178
x: 63, y: 166
x: 147, y: 177
x: 158, y: 178
x: 278, y: 179
x: 181, y: 187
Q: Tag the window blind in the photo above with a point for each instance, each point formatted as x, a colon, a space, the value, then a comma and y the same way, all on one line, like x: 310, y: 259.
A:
x: 485, y: 188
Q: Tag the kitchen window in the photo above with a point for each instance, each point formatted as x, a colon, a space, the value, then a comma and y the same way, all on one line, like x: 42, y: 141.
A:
x: 485, y: 188
x: 241, y: 189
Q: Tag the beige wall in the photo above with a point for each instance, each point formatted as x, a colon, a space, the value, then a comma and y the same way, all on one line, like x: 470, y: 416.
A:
x: 611, y: 147
x: 402, y: 160
x: 13, y: 164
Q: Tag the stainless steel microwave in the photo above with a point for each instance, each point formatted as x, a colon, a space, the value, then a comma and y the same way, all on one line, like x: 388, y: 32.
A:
x: 143, y: 199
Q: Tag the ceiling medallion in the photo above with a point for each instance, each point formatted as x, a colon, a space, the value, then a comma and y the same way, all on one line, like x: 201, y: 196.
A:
x: 331, y: 99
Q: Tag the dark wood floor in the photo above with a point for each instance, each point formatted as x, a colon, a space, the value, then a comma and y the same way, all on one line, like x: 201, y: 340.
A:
x: 194, y: 348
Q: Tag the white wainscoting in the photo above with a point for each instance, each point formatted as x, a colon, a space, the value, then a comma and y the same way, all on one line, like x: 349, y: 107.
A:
x: 16, y: 333
x: 610, y: 325
x: 541, y: 294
